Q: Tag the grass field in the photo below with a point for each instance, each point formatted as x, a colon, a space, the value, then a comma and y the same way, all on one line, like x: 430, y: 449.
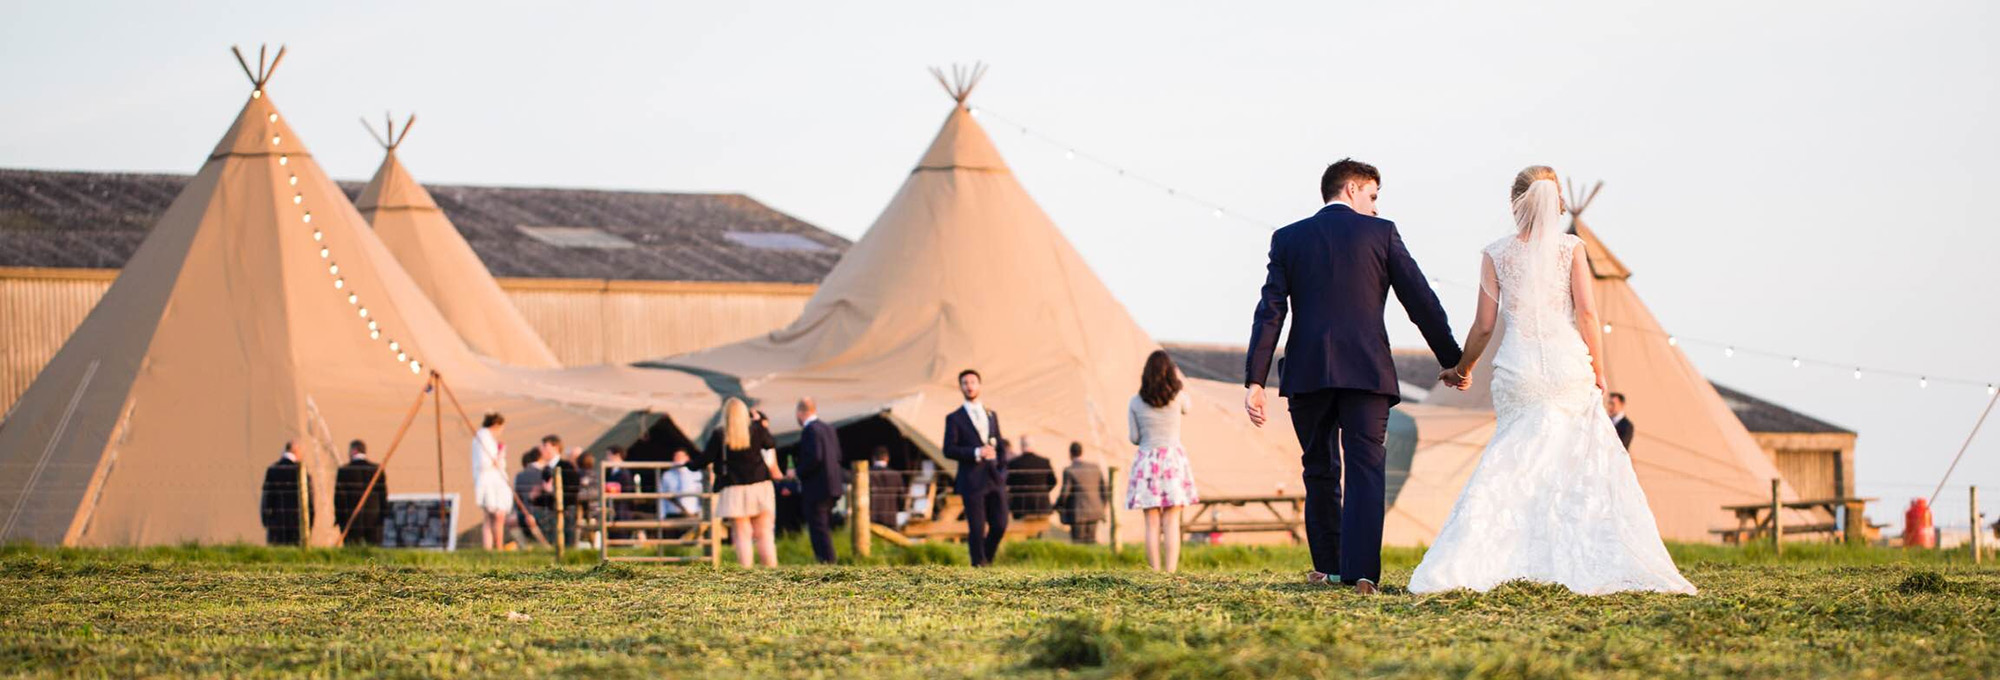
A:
x: 1048, y: 610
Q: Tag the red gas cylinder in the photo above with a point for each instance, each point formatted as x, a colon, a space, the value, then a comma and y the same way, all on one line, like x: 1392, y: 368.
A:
x: 1917, y: 525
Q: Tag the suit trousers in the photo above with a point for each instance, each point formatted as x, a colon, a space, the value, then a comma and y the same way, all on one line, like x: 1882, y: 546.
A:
x: 985, y: 523
x: 1343, y: 430
x: 819, y: 524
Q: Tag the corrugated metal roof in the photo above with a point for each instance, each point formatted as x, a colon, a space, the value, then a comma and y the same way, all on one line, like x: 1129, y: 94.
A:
x: 96, y: 220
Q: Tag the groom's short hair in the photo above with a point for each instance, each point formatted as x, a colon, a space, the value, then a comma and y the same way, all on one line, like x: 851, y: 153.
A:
x: 1343, y: 171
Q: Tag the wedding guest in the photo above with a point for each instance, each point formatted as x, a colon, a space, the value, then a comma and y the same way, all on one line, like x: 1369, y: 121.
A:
x: 1030, y: 480
x: 489, y: 481
x: 588, y: 489
x: 972, y: 437
x: 348, y: 486
x: 555, y: 462
x: 528, y: 487
x: 682, y: 479
x: 618, y: 480
x: 820, y: 481
x: 1085, y: 494
x: 742, y: 455
x: 886, y: 488
x: 279, y: 508
x: 1615, y: 405
x: 1161, y: 481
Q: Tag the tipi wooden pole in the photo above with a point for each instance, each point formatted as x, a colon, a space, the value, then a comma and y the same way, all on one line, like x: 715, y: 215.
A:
x: 437, y: 405
x: 1111, y: 509
x: 859, y: 518
x: 1777, y: 520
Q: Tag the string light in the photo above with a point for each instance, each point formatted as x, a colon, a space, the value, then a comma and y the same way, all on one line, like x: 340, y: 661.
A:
x: 318, y: 236
x: 284, y: 159
x: 308, y: 217
x: 256, y: 94
x: 274, y: 118
x: 416, y: 367
x: 333, y: 268
x: 339, y: 284
x: 295, y: 180
x: 1216, y: 210
x: 325, y: 253
x: 353, y: 299
x: 364, y: 312
x: 275, y: 139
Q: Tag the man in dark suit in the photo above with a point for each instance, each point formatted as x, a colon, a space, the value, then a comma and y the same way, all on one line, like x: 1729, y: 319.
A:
x: 1030, y: 480
x: 818, y: 470
x: 279, y: 508
x: 1615, y: 405
x: 972, y: 437
x: 348, y: 486
x: 554, y: 464
x: 1333, y: 272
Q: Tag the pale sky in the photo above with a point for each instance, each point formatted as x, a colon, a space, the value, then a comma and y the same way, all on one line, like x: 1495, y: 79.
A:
x: 1805, y: 177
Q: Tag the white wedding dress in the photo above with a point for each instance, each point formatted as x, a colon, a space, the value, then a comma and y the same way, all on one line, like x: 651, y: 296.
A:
x: 1554, y: 499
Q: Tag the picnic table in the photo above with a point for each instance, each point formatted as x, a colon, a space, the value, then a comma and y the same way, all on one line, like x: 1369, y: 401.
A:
x: 1754, y: 520
x: 1287, y: 514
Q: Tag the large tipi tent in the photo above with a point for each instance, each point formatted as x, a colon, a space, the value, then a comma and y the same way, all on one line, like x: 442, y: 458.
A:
x: 1691, y: 453
x: 261, y: 309
x: 964, y: 270
x: 443, y: 265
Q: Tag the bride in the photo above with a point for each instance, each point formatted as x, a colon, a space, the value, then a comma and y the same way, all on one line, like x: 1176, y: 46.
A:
x: 1554, y: 498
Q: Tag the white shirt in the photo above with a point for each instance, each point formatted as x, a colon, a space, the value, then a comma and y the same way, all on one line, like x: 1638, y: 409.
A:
x: 809, y: 420
x: 1340, y: 203
x: 1618, y: 418
x: 288, y: 456
x: 977, y: 412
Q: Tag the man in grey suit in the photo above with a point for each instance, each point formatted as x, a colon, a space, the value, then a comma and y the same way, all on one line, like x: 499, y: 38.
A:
x: 1084, y: 496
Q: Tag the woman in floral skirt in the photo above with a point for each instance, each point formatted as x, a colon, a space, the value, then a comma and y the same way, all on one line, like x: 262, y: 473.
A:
x: 1161, y: 480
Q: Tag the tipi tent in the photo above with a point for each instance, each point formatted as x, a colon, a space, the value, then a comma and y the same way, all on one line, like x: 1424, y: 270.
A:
x: 443, y: 265
x: 1691, y: 453
x: 964, y: 270
x: 260, y: 309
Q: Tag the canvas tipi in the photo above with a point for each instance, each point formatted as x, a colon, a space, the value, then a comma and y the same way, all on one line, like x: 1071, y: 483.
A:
x: 259, y: 309
x: 1691, y: 454
x: 443, y: 265
x: 963, y: 270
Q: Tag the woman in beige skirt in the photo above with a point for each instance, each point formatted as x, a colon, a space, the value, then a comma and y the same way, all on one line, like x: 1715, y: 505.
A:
x: 744, y: 457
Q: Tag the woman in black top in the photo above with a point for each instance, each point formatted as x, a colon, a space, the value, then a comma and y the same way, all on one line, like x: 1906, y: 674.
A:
x: 744, y: 457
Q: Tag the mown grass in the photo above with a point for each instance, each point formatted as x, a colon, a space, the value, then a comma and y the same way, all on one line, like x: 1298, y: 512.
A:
x: 1047, y: 610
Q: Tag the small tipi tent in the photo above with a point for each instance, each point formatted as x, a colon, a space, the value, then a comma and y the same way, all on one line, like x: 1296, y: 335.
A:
x: 1691, y: 453
x: 443, y: 265
x: 963, y: 270
x: 260, y: 309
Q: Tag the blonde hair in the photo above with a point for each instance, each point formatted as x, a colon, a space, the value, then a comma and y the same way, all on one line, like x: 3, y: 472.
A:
x: 735, y: 425
x: 1528, y: 176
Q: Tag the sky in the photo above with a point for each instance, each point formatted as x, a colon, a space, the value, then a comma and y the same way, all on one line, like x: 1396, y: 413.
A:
x: 1807, y: 178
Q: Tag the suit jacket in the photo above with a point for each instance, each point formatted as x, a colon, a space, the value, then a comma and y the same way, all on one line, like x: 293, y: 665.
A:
x: 347, y: 487
x: 1332, y: 273
x: 1030, y: 480
x: 1084, y: 493
x: 886, y: 489
x: 961, y: 443
x: 819, y: 462
x: 279, y: 508
x: 1624, y: 427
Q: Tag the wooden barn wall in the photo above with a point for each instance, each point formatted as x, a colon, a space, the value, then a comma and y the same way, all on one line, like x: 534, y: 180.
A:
x: 584, y: 322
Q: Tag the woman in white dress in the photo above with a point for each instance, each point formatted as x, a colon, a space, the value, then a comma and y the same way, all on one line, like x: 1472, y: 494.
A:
x: 490, y: 490
x: 1554, y: 498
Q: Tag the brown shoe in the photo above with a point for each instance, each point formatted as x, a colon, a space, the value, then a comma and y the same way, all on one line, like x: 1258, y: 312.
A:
x: 1365, y: 587
x: 1315, y: 578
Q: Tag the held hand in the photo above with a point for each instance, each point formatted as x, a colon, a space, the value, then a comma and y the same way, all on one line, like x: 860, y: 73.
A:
x: 987, y: 453
x: 1456, y: 380
x: 1253, y: 404
x: 1602, y: 388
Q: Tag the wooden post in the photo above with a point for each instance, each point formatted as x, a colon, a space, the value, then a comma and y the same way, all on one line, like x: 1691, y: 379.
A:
x: 858, y: 508
x: 305, y: 504
x: 558, y: 537
x: 714, y: 530
x: 1111, y: 509
x: 1975, y: 524
x: 604, y: 511
x: 1857, y: 524
x: 1777, y: 520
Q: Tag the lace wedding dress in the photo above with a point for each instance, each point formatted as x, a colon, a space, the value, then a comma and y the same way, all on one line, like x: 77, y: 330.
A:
x: 1554, y: 498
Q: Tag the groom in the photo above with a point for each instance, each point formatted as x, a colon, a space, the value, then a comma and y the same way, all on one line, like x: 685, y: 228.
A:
x: 1336, y: 268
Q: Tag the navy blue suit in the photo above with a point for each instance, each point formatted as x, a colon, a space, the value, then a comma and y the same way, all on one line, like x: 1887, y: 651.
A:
x: 819, y: 484
x: 982, y: 485
x: 1333, y: 272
